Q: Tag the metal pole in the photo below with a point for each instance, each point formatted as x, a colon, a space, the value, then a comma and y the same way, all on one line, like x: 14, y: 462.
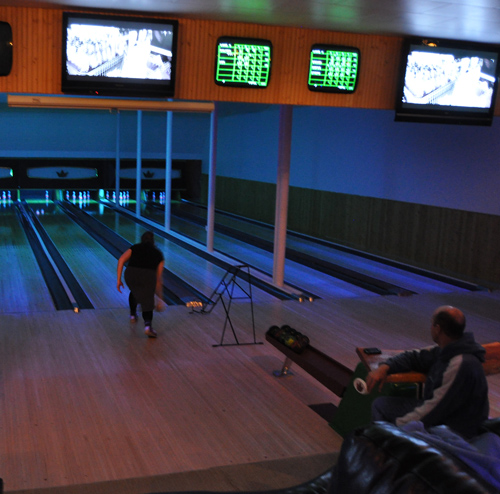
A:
x: 282, y: 184
x: 117, y: 157
x: 168, y: 170
x: 211, y: 180
x: 138, y: 171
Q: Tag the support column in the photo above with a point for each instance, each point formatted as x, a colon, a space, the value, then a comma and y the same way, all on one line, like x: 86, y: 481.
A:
x: 168, y: 171
x: 282, y: 185
x: 138, y: 171
x: 117, y: 157
x: 211, y: 180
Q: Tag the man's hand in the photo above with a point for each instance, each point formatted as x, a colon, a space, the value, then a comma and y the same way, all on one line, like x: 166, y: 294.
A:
x: 377, y: 376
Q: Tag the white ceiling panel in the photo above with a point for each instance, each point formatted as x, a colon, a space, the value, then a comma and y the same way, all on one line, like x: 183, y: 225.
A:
x: 473, y: 20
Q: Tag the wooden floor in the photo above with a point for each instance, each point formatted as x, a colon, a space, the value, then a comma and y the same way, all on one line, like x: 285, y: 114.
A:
x: 87, y: 398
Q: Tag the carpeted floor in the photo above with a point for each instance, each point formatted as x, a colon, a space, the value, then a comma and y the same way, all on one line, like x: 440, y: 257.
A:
x: 261, y: 476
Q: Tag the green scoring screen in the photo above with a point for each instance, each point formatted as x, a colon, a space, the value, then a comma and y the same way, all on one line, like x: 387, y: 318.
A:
x: 333, y: 68
x: 243, y: 62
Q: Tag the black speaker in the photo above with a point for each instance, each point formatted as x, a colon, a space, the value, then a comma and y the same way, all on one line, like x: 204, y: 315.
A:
x: 5, y: 48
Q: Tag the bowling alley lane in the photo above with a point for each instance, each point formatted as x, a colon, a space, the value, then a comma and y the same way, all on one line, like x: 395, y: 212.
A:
x: 296, y: 275
x: 299, y: 277
x: 93, y: 266
x: 22, y: 286
x: 363, y: 265
x: 193, y: 269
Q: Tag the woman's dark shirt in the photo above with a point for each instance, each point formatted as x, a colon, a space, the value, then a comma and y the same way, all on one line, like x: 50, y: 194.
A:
x: 145, y: 256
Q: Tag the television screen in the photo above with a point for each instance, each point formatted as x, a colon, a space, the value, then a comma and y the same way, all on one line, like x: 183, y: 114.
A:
x: 118, y: 56
x: 243, y: 62
x: 447, y: 81
x: 333, y: 69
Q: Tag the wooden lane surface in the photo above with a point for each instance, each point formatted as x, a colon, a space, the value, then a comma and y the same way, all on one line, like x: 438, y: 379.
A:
x: 379, y: 270
x: 22, y: 287
x: 193, y: 269
x: 86, y: 397
x: 296, y: 274
x: 93, y: 266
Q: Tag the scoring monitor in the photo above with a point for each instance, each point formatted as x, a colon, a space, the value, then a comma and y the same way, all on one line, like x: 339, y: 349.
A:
x: 243, y: 62
x: 333, y: 68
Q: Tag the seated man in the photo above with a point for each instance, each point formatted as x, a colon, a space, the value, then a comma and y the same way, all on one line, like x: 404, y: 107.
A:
x: 456, y: 390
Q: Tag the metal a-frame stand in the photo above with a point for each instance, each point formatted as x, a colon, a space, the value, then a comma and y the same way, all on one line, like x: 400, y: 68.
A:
x: 225, y: 293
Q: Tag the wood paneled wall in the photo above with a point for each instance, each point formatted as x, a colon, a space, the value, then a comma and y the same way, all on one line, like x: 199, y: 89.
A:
x: 288, y: 82
x: 37, y: 61
x: 457, y: 243
x: 37, y: 51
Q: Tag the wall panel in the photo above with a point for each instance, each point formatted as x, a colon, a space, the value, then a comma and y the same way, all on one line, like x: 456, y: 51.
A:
x: 449, y: 241
x: 37, y: 50
x: 288, y: 82
x: 37, y: 56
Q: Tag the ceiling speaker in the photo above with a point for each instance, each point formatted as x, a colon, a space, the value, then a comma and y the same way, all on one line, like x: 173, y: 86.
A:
x: 5, y: 48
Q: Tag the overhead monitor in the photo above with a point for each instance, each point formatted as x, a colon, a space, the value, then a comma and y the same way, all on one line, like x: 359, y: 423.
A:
x: 118, y: 55
x: 446, y: 81
x: 243, y: 62
x: 333, y: 69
